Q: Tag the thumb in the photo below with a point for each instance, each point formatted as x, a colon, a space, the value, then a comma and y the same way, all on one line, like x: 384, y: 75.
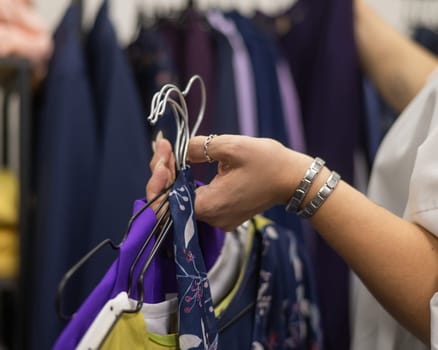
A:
x: 159, y: 180
x: 220, y: 148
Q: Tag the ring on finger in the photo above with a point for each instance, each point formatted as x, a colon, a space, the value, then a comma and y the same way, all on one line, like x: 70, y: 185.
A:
x: 206, y: 144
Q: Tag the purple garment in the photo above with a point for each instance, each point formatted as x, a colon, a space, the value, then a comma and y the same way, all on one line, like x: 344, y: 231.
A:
x: 109, y: 285
x: 244, y: 80
x: 158, y: 279
x: 291, y: 107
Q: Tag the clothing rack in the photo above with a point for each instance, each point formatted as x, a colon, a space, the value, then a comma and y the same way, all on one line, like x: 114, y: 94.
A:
x: 15, y: 77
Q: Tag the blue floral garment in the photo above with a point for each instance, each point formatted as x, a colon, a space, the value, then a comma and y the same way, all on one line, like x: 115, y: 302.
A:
x: 197, y: 324
x: 286, y: 315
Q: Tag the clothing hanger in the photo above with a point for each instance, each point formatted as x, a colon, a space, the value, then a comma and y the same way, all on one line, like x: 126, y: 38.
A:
x: 158, y: 107
x: 116, y: 246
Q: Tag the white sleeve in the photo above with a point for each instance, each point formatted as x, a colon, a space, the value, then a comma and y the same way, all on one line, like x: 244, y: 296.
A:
x: 434, y: 322
x: 423, y: 188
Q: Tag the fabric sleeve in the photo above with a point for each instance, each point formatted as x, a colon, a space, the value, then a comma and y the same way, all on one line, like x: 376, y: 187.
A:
x: 423, y: 189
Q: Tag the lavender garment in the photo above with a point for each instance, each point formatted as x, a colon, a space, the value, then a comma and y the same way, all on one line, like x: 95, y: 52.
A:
x: 291, y: 107
x: 244, y: 80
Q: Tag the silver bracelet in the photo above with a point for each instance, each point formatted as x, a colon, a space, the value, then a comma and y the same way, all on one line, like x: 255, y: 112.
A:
x: 304, y: 186
x: 323, y: 193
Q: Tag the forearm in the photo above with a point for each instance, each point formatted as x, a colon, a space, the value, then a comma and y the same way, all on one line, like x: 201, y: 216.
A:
x: 396, y: 65
x: 396, y: 260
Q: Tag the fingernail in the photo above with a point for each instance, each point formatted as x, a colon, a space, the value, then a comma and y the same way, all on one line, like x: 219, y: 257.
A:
x: 158, y: 137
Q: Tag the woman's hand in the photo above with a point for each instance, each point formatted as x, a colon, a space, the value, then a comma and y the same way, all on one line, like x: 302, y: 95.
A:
x: 253, y: 175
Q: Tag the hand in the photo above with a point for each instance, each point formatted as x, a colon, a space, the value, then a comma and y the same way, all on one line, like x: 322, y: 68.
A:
x: 162, y: 166
x: 253, y: 175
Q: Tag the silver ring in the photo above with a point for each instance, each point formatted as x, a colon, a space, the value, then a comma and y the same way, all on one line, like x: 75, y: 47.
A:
x: 206, y: 144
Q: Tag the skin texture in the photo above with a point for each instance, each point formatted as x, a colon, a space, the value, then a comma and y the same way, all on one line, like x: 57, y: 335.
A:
x: 391, y: 256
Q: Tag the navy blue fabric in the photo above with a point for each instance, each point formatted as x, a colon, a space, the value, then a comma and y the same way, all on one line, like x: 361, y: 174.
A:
x: 275, y: 306
x: 153, y: 67
x: 225, y: 119
x: 373, y: 120
x: 124, y: 147
x: 321, y: 51
x: 236, y: 323
x: 66, y: 168
x: 287, y: 315
x: 197, y: 324
x: 270, y: 116
x: 269, y: 106
x: 427, y: 37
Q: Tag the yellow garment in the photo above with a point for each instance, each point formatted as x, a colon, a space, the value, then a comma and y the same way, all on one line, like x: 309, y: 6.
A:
x: 8, y: 253
x: 130, y: 332
x: 8, y: 198
x: 8, y: 224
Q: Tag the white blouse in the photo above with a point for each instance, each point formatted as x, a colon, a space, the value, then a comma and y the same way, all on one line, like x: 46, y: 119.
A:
x: 404, y: 180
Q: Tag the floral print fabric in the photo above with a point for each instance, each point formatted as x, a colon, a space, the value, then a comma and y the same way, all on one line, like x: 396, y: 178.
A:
x: 197, y: 324
x: 286, y: 315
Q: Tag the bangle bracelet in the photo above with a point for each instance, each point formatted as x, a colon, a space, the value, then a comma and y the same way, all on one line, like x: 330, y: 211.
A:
x: 304, y: 186
x: 323, y: 193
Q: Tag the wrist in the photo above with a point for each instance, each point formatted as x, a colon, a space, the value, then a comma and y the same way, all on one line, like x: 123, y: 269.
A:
x: 314, y: 188
x: 294, y: 170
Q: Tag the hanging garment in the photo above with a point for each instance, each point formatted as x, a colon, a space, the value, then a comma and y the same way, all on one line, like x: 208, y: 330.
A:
x: 114, y: 329
x: 161, y: 318
x: 291, y: 106
x: 114, y: 281
x: 272, y: 302
x: 225, y: 119
x: 65, y: 163
x: 197, y: 324
x: 8, y: 198
x: 321, y: 51
x: 9, y: 251
x: 186, y: 39
x: 158, y: 281
x: 286, y: 315
x: 408, y: 150
x: 243, y: 76
x: 269, y: 106
x: 123, y: 144
x: 153, y: 67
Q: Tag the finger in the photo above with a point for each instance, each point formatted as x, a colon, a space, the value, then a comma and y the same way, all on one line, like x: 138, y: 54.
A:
x: 220, y: 148
x: 158, y: 181
x: 163, y: 152
x: 209, y: 212
x: 171, y: 167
